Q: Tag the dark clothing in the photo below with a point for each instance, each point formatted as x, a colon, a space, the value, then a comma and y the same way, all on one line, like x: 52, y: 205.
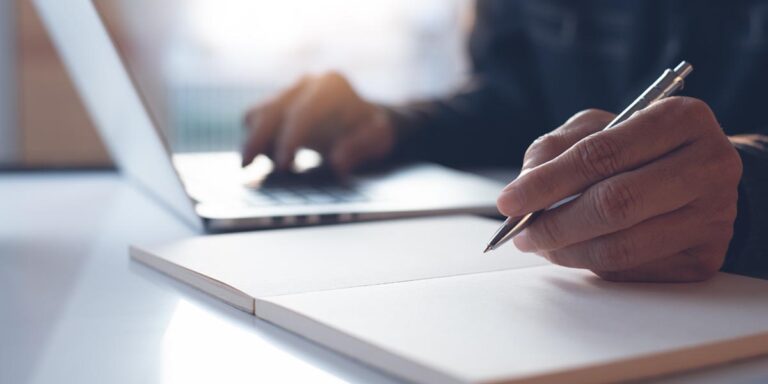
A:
x: 535, y: 63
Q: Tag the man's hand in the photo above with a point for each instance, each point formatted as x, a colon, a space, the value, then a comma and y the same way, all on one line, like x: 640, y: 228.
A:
x: 322, y: 113
x: 659, y: 194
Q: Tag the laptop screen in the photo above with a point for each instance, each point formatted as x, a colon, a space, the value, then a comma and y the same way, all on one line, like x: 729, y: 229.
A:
x: 200, y: 64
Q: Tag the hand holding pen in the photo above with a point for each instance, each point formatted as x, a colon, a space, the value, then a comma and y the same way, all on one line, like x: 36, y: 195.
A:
x: 656, y: 193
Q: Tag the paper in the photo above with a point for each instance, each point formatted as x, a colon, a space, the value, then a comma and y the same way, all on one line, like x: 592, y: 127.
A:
x: 312, y: 259
x: 546, y: 324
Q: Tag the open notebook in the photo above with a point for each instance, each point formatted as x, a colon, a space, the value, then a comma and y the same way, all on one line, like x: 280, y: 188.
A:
x: 418, y: 299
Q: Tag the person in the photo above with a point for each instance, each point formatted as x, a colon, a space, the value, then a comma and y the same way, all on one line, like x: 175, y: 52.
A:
x: 674, y: 194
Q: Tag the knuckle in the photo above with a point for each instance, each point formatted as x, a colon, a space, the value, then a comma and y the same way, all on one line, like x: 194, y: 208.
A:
x: 334, y: 78
x: 304, y: 79
x: 334, y: 75
x: 694, y: 111
x: 656, y: 115
x: 690, y: 106
x: 615, y: 203
x: 255, y: 115
x: 598, y: 157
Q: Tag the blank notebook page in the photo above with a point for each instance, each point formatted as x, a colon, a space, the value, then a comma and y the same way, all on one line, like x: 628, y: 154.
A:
x: 311, y: 259
x: 535, y: 323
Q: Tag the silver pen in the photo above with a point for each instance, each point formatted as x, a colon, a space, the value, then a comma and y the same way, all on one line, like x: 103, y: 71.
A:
x: 669, y: 82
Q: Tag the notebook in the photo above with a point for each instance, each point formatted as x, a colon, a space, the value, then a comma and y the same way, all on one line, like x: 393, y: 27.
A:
x: 418, y: 299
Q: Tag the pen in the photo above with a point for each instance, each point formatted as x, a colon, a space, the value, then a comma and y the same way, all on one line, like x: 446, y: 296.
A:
x: 669, y: 82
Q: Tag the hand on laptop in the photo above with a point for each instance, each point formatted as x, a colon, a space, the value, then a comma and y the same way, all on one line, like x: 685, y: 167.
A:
x: 659, y: 194
x: 323, y: 113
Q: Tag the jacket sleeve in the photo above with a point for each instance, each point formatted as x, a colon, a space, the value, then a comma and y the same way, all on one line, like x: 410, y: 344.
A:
x: 748, y: 251
x: 488, y: 121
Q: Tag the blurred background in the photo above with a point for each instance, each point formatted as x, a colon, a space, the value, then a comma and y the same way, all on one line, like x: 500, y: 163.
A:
x: 199, y: 64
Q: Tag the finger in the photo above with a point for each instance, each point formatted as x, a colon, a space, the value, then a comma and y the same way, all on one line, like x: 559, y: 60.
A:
x: 617, y: 203
x: 307, y: 111
x: 648, y: 241
x: 690, y: 265
x: 648, y: 135
x: 262, y: 122
x: 363, y: 144
x: 552, y: 144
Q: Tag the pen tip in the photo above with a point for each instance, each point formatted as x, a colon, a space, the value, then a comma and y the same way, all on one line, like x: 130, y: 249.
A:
x: 488, y: 248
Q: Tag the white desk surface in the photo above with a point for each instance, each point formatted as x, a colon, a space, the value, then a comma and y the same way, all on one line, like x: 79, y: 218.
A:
x: 75, y: 309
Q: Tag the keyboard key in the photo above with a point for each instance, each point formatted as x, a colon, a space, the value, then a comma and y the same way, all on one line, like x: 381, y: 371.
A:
x: 303, y: 194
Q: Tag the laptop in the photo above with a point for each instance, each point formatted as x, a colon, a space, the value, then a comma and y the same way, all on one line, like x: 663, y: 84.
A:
x: 211, y: 191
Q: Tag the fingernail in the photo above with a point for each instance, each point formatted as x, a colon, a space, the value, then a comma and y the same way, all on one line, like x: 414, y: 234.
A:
x: 523, y: 242
x: 508, y: 204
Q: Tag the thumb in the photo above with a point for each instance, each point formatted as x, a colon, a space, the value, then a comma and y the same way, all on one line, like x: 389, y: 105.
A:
x: 552, y: 144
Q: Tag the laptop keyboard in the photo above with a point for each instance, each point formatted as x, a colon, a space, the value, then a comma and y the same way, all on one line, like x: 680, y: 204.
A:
x: 303, y: 196
x: 314, y: 187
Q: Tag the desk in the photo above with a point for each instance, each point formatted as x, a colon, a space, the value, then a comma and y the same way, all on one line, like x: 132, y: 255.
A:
x: 75, y: 309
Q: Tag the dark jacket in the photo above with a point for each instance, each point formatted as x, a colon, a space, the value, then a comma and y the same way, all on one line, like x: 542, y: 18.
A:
x: 537, y: 62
